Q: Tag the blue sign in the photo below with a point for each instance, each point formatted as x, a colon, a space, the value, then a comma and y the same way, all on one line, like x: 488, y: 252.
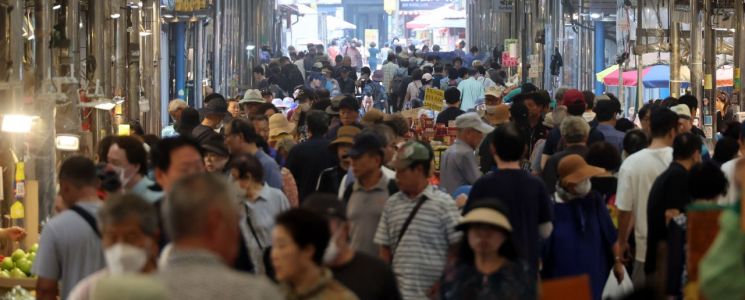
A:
x: 409, y: 5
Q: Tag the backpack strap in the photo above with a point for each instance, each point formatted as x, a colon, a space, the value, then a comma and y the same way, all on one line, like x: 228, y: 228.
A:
x: 348, y: 193
x: 87, y: 217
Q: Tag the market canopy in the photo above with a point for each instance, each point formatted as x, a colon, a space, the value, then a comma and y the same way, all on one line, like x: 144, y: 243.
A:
x: 658, y: 76
x: 334, y: 23
x: 435, y: 17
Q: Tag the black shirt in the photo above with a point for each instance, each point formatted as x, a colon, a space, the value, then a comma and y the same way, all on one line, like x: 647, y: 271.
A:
x: 449, y: 114
x: 203, y: 133
x: 330, y: 180
x: 528, y: 204
x: 669, y: 191
x: 605, y: 186
x: 368, y: 278
x: 306, y: 161
x: 553, y: 142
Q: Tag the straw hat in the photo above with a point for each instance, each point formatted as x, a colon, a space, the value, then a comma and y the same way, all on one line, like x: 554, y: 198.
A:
x: 372, y: 116
x: 278, y: 124
x: 252, y: 96
x: 345, y: 135
x: 485, y: 215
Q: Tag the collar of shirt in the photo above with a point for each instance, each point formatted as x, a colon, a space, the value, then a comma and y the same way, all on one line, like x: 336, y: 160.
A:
x: 180, y: 257
x: 460, y: 143
x: 313, y: 290
x: 428, y: 192
x: 381, y: 185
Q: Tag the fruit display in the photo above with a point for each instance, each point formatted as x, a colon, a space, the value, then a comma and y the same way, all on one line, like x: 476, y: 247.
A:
x: 18, y: 264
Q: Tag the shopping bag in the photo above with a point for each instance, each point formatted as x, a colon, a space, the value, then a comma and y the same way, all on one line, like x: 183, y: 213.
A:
x: 613, y: 290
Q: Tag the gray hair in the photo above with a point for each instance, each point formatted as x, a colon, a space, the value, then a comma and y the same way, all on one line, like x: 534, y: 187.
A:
x: 121, y: 207
x: 574, y: 129
x: 190, y: 200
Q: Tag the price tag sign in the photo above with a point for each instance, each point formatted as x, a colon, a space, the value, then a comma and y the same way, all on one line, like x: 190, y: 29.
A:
x: 433, y: 99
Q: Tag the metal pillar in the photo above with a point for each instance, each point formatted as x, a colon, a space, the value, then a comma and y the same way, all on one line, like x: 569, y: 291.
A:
x: 133, y: 66
x: 43, y: 155
x: 150, y: 64
x: 120, y: 51
x: 675, y: 59
x: 739, y: 59
x: 599, y: 54
x: 179, y: 35
x: 639, y: 63
x: 198, y: 62
x: 709, y: 69
x: 696, y: 59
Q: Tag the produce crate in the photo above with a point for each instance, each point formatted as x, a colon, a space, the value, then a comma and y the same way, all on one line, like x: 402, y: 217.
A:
x: 6, y: 284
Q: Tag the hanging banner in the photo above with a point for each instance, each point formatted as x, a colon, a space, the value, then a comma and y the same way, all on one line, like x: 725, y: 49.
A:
x: 433, y: 99
x: 414, y: 5
x: 505, y: 6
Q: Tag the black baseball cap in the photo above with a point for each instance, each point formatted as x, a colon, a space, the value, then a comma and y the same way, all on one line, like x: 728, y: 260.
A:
x: 216, y: 145
x: 605, y: 104
x: 349, y: 102
x: 326, y: 205
x: 365, y: 143
x: 216, y: 106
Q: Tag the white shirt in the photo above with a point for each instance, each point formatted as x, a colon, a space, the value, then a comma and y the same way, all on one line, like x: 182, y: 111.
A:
x: 728, y: 169
x: 635, y: 179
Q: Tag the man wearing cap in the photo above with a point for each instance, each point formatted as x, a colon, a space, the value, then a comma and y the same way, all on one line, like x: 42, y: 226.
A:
x: 458, y: 165
x: 349, y: 114
x: 583, y: 230
x: 417, y: 249
x: 378, y: 282
x: 175, y: 107
x: 522, y: 193
x: 308, y: 159
x: 669, y: 195
x: 376, y: 90
x: 452, y: 99
x: 367, y: 195
x: 470, y: 90
x: 574, y: 100
x: 331, y: 178
x: 251, y: 101
x: 635, y: 179
x: 242, y: 138
x: 685, y: 124
x: 346, y: 83
x: 260, y: 81
x: 214, y: 113
x: 574, y: 132
x: 606, y: 109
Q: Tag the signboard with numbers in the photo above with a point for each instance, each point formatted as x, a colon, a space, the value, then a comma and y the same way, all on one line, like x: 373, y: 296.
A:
x: 433, y: 99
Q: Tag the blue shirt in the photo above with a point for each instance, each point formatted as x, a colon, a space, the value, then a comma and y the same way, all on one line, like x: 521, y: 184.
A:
x: 612, y: 136
x: 168, y: 131
x: 470, y: 91
x: 261, y: 213
x: 271, y: 170
x: 142, y: 189
x: 458, y: 166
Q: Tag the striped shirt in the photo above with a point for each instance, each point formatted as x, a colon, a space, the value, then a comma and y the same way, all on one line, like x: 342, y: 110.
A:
x: 420, y: 257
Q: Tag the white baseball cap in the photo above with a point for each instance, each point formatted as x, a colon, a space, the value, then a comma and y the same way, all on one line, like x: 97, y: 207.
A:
x: 472, y: 120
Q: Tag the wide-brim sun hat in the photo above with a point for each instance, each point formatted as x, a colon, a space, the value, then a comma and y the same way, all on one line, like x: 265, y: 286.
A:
x: 485, y: 215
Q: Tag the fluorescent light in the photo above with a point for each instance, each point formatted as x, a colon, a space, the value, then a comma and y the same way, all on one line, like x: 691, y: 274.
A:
x: 118, y: 100
x: 168, y: 16
x: 57, y: 6
x: 115, y: 15
x: 145, y: 33
x: 67, y: 142
x: 250, y: 47
x: 595, y: 15
x: 105, y: 105
x: 17, y: 123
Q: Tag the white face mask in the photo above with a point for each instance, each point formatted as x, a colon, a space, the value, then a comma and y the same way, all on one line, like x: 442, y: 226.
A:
x: 583, y: 188
x: 332, y: 251
x: 123, y: 178
x: 125, y: 258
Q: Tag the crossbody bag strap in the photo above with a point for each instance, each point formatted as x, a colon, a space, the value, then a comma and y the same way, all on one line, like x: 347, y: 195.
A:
x: 87, y: 217
x: 251, y: 227
x: 409, y: 219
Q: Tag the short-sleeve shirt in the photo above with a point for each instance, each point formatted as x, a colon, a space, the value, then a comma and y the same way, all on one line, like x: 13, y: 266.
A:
x: 420, y: 257
x: 449, y: 114
x: 69, y: 249
x: 666, y: 194
x: 528, y: 204
x: 612, y: 136
x: 363, y: 212
x: 635, y: 179
x: 261, y: 214
x: 458, y: 166
x: 470, y: 91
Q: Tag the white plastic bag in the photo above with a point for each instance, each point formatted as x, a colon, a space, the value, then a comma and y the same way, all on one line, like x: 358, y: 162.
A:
x: 613, y: 290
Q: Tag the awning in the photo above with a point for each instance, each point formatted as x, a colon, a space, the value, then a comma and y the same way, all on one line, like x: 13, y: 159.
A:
x: 449, y: 23
x: 334, y: 23
x: 435, y: 17
x: 658, y: 76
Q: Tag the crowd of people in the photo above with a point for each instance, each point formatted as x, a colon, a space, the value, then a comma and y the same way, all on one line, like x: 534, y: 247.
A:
x: 312, y: 187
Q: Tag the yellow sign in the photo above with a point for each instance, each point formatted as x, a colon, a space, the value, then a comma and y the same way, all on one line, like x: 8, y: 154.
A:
x: 20, y: 171
x: 371, y: 35
x: 708, y: 85
x: 123, y: 129
x: 433, y: 99
x: 17, y: 211
x: 389, y: 6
